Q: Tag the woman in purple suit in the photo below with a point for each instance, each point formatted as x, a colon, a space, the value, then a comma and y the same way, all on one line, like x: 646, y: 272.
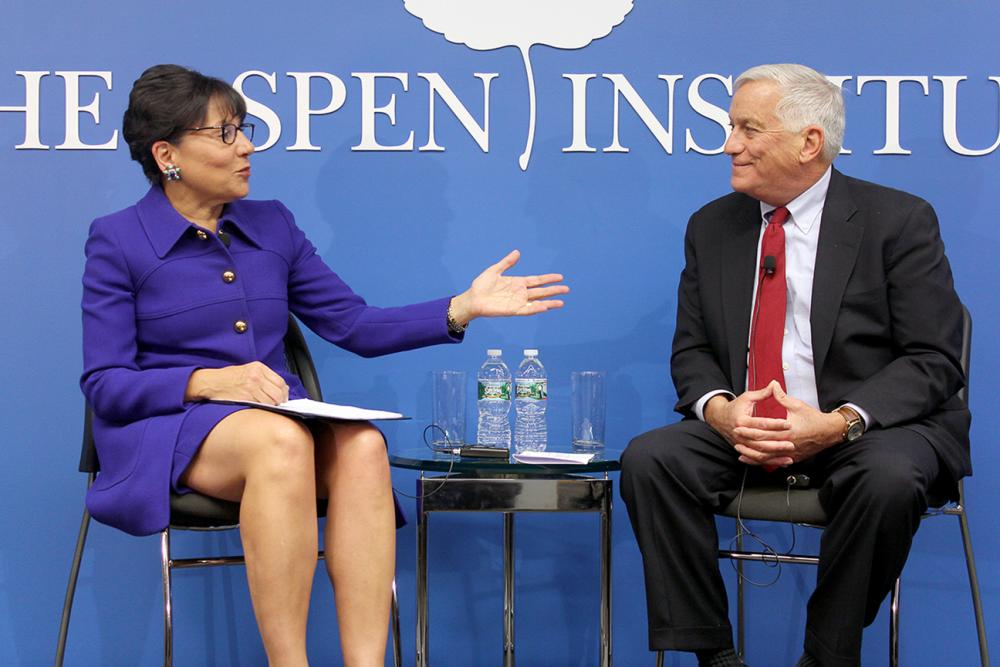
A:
x: 186, y: 300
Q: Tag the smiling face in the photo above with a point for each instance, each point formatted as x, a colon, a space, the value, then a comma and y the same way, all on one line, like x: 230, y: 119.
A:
x: 769, y: 163
x: 213, y: 173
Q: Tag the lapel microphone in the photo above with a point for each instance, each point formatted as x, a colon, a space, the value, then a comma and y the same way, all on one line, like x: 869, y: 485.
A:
x: 770, y: 265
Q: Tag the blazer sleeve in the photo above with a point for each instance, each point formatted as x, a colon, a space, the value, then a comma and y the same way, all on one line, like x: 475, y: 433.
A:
x: 694, y: 359
x: 114, y: 385
x: 926, y: 327
x: 330, y: 308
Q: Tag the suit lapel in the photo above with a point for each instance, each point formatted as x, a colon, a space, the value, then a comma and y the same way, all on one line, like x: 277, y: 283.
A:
x: 836, y: 254
x: 739, y: 253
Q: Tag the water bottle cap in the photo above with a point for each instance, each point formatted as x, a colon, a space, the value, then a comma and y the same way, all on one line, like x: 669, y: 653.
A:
x: 494, y: 353
x: 531, y: 353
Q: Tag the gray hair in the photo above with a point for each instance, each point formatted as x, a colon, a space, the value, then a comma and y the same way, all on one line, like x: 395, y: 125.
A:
x: 807, y: 98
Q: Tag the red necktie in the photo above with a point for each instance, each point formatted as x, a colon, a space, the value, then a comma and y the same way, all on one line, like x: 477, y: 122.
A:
x: 768, y: 325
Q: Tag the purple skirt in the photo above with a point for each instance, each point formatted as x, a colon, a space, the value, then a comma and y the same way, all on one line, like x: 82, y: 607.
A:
x: 199, y: 421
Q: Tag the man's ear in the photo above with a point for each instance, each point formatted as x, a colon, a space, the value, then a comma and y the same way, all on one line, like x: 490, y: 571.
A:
x: 813, y: 141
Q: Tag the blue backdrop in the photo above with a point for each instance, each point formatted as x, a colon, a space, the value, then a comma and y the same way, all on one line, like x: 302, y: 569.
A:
x: 407, y: 224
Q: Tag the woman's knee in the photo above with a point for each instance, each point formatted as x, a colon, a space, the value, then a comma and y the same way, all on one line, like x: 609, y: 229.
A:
x: 359, y: 452
x: 365, y: 444
x: 284, y: 450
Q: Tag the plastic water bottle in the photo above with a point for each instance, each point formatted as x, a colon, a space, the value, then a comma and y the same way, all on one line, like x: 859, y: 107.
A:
x: 531, y: 395
x: 494, y: 401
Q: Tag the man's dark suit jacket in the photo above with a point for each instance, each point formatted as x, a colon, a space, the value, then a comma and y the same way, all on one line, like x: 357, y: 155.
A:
x: 886, y: 321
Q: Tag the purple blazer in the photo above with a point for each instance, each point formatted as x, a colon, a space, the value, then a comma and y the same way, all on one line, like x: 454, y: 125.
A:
x: 161, y: 298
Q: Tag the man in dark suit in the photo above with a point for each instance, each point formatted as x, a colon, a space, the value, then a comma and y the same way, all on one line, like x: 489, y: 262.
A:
x: 834, y: 352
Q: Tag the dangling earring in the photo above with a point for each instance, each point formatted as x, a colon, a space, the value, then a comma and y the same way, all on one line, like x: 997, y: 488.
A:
x: 172, y: 172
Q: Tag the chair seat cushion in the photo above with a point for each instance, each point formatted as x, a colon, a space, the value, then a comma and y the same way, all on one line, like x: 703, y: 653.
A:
x: 776, y: 503
x: 194, y: 511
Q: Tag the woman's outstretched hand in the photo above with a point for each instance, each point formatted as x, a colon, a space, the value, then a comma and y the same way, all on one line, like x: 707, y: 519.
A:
x: 493, y: 294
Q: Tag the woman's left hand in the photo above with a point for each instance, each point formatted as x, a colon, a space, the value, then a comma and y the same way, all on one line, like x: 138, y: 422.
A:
x: 493, y: 294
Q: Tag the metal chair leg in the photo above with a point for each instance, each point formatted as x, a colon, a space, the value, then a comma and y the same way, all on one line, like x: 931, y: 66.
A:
x: 894, y: 624
x: 977, y: 604
x: 659, y: 659
x: 74, y: 572
x: 168, y: 630
x: 741, y: 626
x: 397, y: 649
x: 606, y: 625
x: 508, y: 590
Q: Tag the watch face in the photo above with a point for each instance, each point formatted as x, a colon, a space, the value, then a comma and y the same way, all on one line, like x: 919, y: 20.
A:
x: 854, y: 431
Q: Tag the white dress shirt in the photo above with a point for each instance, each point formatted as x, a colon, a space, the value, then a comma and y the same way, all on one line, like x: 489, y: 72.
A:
x: 801, y: 241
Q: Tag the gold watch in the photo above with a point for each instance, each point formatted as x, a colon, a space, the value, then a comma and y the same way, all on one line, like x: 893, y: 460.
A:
x: 855, y: 426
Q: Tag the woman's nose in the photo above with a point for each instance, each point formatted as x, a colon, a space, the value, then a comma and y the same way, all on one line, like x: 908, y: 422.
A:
x: 243, y: 144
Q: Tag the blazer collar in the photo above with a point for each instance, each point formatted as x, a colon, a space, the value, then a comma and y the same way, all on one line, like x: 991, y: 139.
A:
x: 164, y: 226
x: 739, y: 253
x: 238, y: 215
x: 160, y: 220
x: 840, y: 235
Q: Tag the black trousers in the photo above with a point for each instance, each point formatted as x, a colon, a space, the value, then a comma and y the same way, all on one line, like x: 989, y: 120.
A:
x: 675, y: 478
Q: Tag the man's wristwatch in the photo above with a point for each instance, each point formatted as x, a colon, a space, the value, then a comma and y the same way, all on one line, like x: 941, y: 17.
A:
x: 855, y: 426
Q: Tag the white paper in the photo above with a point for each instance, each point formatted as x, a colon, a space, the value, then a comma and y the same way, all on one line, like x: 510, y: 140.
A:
x: 306, y: 407
x: 553, y: 457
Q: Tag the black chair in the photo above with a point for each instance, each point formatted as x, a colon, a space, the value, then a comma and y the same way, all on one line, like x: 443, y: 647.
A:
x: 802, y: 506
x: 193, y: 511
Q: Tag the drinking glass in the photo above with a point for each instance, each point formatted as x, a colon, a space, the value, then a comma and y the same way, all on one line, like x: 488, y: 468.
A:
x: 588, y: 407
x: 448, y: 425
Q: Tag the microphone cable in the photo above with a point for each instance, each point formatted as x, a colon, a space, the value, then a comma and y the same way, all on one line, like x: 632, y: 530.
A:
x: 771, y: 554
x: 452, y: 449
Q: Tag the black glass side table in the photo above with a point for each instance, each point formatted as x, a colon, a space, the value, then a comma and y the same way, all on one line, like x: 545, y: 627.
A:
x: 506, y: 486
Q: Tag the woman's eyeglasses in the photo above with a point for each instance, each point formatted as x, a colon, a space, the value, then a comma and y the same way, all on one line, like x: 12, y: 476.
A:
x: 228, y: 131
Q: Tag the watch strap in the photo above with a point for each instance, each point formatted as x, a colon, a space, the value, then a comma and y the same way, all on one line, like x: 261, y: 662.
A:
x: 854, y: 425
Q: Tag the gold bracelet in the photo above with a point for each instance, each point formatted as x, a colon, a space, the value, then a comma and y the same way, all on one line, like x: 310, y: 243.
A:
x: 453, y: 325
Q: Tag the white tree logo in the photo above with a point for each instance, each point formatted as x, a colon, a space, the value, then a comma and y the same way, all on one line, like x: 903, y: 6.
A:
x: 485, y: 25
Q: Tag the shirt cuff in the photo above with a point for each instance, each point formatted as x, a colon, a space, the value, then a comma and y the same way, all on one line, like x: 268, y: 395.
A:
x: 699, y: 406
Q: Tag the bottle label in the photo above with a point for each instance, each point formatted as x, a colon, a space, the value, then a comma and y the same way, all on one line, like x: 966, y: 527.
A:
x: 494, y: 389
x: 536, y: 388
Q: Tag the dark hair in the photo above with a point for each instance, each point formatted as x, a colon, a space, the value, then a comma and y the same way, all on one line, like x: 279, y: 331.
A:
x: 165, y: 101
